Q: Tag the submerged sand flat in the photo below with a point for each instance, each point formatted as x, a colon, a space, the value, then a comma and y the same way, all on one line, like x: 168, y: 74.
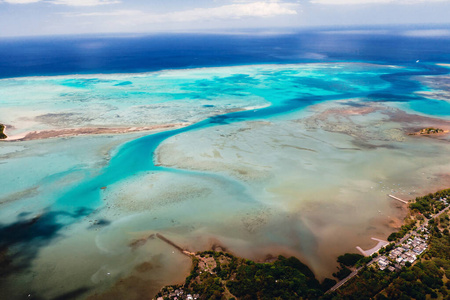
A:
x: 274, y: 159
x: 326, y: 174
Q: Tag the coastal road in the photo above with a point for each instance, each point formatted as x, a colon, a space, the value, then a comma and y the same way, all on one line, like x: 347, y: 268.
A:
x: 343, y: 281
x: 352, y: 274
x: 440, y: 213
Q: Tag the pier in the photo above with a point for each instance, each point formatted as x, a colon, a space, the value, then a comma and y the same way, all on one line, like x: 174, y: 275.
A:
x: 181, y: 250
x: 398, y: 199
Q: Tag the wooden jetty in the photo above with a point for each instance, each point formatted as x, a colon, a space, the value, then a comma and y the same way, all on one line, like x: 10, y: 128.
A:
x: 398, y: 199
x: 183, y: 251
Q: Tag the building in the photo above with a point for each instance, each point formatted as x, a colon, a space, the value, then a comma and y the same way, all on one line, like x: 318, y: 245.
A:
x: 383, y: 262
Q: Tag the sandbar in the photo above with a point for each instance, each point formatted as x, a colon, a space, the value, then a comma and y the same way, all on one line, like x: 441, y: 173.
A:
x: 68, y: 132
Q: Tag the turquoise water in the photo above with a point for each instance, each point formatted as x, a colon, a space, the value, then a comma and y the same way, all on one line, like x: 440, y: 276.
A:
x: 65, y: 184
x: 431, y: 107
x: 284, y: 88
x: 301, y: 88
x: 171, y: 96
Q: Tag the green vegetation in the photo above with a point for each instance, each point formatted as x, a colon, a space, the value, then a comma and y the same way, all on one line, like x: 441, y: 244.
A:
x: 431, y: 130
x: 2, y: 134
x: 328, y: 284
x: 404, y: 229
x: 431, y: 203
x: 342, y: 273
x: 366, y: 285
x: 286, y: 278
x: 365, y: 260
x: 218, y: 275
x: 349, y: 259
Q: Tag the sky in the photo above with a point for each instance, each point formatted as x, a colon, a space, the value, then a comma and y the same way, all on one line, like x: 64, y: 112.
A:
x: 55, y: 17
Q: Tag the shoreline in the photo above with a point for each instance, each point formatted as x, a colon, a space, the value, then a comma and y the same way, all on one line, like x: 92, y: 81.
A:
x: 69, y: 132
x: 381, y: 244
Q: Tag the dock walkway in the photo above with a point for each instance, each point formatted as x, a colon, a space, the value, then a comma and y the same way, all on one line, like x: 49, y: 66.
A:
x: 398, y: 199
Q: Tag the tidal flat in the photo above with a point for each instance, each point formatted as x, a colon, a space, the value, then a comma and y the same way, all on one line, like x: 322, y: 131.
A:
x: 274, y: 159
x: 322, y: 178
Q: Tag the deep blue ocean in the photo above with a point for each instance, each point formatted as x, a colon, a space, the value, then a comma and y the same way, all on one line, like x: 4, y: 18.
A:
x: 127, y: 54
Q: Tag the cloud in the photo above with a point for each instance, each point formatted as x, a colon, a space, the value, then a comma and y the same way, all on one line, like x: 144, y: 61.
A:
x: 235, y: 11
x: 356, y: 2
x: 253, y: 1
x: 20, y: 1
x: 115, y: 13
x: 84, y: 2
x: 261, y: 9
x: 65, y: 2
x: 427, y: 33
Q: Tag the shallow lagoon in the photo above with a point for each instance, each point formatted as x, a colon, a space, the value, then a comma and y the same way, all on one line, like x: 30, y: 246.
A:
x: 299, y: 162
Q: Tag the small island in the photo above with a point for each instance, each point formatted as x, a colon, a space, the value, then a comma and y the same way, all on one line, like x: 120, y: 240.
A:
x: 2, y: 134
x: 428, y: 131
x: 431, y: 130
